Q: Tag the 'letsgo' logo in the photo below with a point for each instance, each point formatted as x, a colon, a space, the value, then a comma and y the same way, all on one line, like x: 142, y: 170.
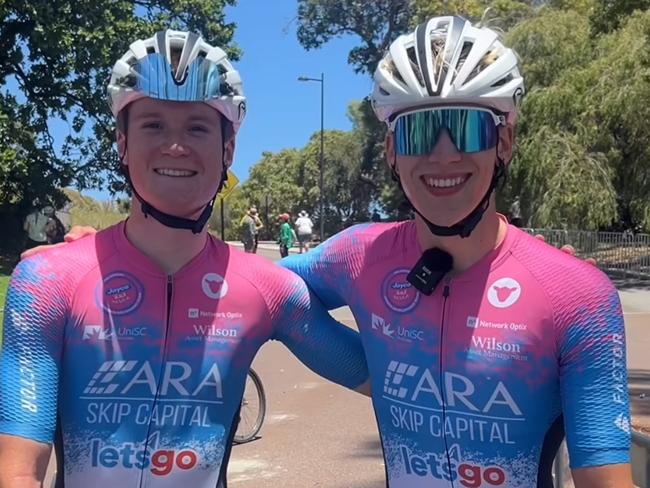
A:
x: 160, y: 462
x: 119, y: 293
x: 436, y: 466
x: 214, y: 286
x: 398, y: 293
x: 504, y: 293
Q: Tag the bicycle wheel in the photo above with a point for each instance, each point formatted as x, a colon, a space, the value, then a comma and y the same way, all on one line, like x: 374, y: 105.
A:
x: 253, y: 409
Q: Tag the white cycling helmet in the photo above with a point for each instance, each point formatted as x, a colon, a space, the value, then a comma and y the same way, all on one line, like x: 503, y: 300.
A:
x: 203, y: 73
x: 447, y: 60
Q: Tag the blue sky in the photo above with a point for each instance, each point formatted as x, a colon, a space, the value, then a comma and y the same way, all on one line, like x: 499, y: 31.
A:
x: 283, y: 112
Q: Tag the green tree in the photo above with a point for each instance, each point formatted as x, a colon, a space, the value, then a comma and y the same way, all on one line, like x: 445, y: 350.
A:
x: 276, y: 178
x: 584, y: 145
x: 376, y: 23
x: 235, y: 205
x: 348, y: 193
x: 501, y: 14
x: 550, y: 44
x: 608, y: 15
x: 56, y: 62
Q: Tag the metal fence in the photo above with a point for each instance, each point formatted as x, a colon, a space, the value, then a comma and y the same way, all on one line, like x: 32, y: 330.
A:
x: 621, y: 253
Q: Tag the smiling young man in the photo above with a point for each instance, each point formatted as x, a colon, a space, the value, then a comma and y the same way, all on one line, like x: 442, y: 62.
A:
x: 130, y: 349
x: 485, y: 345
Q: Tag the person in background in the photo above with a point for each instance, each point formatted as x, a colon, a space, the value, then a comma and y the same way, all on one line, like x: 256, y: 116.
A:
x: 258, y: 226
x: 515, y: 214
x: 286, y: 235
x: 247, y: 232
x: 35, y: 224
x: 54, y: 229
x: 305, y: 227
x: 64, y: 216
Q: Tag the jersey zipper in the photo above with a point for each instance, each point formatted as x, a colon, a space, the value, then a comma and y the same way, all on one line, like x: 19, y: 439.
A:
x: 168, y: 317
x: 446, y: 292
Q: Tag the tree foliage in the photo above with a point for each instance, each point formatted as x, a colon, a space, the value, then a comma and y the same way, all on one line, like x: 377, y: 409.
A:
x: 289, y: 182
x: 376, y: 23
x: 584, y: 152
x: 56, y: 62
x: 499, y: 14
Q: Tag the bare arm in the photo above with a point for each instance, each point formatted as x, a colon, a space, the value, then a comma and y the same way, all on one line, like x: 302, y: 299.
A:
x: 23, y: 462
x: 611, y: 476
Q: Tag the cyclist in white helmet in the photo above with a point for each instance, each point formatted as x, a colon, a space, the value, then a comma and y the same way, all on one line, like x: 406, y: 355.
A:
x: 485, y: 345
x: 130, y: 350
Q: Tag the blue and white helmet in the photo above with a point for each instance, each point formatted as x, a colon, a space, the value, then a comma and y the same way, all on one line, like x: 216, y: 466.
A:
x: 203, y: 73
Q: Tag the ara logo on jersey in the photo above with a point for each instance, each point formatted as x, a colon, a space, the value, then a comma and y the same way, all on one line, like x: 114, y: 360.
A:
x: 400, y: 295
x: 214, y: 286
x: 410, y: 383
x: 504, y: 293
x: 137, y: 378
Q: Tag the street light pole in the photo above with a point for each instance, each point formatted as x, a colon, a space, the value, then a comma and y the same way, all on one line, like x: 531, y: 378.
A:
x: 322, y: 155
x: 321, y: 80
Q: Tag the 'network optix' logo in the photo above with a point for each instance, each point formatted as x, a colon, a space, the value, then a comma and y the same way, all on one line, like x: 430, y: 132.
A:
x: 161, y: 462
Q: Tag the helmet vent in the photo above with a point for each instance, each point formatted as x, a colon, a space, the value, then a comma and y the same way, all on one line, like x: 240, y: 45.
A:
x: 503, y: 81
x: 392, y: 69
x: 464, y: 52
x: 413, y: 61
x: 440, y: 67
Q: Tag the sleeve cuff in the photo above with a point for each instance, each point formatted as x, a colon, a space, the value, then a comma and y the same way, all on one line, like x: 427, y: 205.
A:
x: 585, y: 459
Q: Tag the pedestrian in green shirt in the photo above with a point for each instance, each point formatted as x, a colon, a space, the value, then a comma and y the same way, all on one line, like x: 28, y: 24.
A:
x: 286, y: 235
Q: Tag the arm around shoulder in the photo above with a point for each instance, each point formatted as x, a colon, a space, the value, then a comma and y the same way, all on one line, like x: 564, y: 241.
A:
x: 327, y: 347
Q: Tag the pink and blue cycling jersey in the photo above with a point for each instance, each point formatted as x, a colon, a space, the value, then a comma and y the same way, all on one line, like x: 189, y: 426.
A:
x: 476, y: 384
x: 139, y: 375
